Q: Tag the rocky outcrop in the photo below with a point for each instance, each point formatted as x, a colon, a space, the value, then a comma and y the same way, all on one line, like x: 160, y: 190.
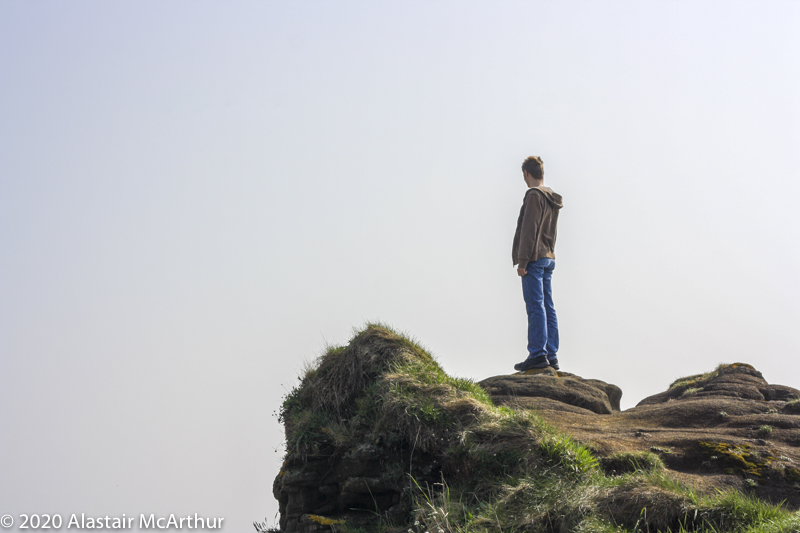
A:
x: 727, y: 428
x: 737, y: 381
x: 366, y: 423
x: 377, y: 433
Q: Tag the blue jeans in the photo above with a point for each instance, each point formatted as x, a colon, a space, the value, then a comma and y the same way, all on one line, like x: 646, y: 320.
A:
x: 542, y: 321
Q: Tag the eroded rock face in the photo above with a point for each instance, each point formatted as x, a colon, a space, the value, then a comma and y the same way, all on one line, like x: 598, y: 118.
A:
x: 725, y: 429
x: 353, y: 484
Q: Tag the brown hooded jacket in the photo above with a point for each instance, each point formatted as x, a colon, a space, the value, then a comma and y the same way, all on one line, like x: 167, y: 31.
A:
x: 536, y: 226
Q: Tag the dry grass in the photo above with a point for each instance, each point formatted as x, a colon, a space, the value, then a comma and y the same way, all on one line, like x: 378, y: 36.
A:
x: 381, y: 383
x: 343, y: 373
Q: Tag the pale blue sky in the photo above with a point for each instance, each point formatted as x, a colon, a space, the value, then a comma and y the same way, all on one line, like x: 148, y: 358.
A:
x: 195, y: 197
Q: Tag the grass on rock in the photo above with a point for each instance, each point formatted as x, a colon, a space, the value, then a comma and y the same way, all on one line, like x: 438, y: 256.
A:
x: 502, y: 470
x: 695, y: 383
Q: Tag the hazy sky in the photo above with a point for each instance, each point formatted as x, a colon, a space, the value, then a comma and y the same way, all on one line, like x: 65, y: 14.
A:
x: 196, y: 197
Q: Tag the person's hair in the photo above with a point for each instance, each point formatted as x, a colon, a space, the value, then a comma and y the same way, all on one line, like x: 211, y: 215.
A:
x: 534, y: 166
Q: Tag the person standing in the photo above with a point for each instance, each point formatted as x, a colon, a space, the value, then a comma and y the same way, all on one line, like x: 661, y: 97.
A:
x: 534, y: 256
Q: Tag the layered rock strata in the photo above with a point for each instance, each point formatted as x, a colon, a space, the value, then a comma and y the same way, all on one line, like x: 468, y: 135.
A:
x: 725, y: 429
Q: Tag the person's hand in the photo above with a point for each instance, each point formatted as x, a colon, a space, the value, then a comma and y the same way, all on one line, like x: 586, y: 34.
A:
x: 521, y: 271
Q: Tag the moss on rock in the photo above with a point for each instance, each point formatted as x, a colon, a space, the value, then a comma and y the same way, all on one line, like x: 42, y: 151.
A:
x: 380, y: 438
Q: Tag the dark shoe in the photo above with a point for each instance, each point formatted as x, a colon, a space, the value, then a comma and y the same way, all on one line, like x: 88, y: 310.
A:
x: 532, y: 362
x: 554, y: 363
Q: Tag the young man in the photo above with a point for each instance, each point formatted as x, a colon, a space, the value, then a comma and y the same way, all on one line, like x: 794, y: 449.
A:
x: 534, y: 255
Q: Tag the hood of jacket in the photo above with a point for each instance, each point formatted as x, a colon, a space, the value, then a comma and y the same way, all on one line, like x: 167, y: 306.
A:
x: 552, y: 197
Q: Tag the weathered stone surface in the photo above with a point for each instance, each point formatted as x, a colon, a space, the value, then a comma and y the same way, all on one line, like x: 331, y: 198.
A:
x: 738, y: 380
x: 589, y: 394
x: 539, y: 403
x: 352, y: 484
x: 715, y: 432
x: 780, y: 393
x: 729, y: 429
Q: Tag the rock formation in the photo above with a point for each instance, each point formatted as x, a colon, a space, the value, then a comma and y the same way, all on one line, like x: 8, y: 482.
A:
x: 560, y: 391
x: 725, y: 429
x: 378, y: 436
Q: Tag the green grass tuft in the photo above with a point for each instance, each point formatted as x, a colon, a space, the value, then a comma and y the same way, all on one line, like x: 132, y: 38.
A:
x: 734, y: 511
x: 696, y: 381
x: 628, y: 462
x: 563, y: 451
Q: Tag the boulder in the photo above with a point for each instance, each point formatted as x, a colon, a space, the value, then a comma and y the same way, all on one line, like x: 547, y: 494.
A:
x: 528, y: 390
x: 738, y: 380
